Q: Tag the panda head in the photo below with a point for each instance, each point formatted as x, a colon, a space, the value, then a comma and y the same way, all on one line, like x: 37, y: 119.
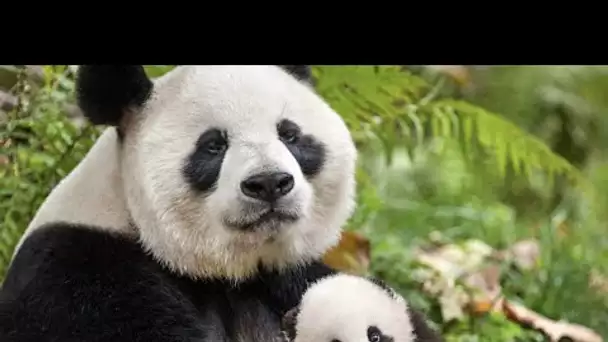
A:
x: 226, y: 168
x: 346, y: 308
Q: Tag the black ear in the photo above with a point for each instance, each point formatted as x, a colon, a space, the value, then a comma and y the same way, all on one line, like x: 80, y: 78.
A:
x: 288, y: 323
x: 380, y: 283
x: 300, y: 72
x: 106, y: 92
x: 422, y: 329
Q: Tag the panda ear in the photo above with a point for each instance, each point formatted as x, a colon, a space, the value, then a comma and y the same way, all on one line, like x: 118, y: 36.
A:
x: 383, y: 285
x: 300, y: 72
x: 288, y: 323
x: 105, y: 93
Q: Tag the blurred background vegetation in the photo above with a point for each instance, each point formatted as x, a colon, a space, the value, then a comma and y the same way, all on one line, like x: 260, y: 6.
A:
x: 473, y: 158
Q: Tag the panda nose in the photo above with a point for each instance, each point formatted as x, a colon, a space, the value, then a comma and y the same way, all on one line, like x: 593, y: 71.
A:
x: 268, y: 187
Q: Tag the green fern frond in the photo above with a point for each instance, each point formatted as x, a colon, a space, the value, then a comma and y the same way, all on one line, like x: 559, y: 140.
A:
x: 395, y: 104
x: 509, y: 142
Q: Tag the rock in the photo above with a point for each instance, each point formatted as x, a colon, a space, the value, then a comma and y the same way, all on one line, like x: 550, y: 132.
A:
x: 7, y: 101
x: 8, y: 76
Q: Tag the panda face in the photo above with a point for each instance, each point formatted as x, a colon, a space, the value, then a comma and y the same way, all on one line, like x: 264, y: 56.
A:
x: 227, y: 168
x: 345, y: 308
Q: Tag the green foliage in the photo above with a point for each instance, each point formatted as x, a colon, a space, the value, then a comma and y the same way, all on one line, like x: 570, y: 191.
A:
x: 493, y: 327
x: 397, y: 108
x: 39, y: 146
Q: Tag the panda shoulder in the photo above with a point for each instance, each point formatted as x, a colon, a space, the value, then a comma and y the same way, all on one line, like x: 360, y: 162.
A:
x: 71, y: 279
x: 66, y: 250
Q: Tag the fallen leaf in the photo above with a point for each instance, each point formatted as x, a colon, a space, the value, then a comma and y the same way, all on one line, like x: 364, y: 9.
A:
x: 486, y: 290
x: 554, y: 330
x: 598, y: 281
x: 455, y: 260
x: 525, y: 254
x: 453, y: 303
x: 459, y: 73
x: 457, y: 275
x: 351, y: 255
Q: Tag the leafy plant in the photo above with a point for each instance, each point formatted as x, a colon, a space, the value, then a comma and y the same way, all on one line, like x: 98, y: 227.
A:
x: 39, y: 145
x: 398, y: 107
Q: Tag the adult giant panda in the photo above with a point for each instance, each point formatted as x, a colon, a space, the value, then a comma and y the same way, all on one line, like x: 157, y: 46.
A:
x: 230, y: 183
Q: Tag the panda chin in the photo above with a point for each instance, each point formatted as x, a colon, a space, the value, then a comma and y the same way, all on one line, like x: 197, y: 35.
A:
x: 269, y: 220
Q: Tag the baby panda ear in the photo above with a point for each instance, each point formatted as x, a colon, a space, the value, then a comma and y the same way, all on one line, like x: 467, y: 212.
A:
x: 289, y: 322
x: 300, y: 72
x: 106, y: 93
x: 384, y: 286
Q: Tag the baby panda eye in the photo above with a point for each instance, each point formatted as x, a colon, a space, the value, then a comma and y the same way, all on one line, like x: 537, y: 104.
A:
x: 215, y: 146
x: 288, y: 131
x: 374, y: 334
x: 213, y: 141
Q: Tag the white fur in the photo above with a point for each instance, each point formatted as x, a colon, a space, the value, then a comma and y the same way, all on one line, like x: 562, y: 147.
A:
x: 187, y: 231
x: 343, y: 306
x: 91, y: 194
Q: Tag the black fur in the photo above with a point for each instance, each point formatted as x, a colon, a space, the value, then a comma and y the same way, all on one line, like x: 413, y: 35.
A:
x: 77, y: 283
x: 289, y: 323
x: 308, y: 151
x: 300, y: 72
x: 374, y: 334
x: 74, y: 283
x: 203, y: 166
x: 106, y: 92
x: 421, y: 328
x: 380, y: 283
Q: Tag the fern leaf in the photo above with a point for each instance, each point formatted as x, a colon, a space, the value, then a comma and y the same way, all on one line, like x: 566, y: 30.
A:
x: 500, y: 135
x: 366, y: 94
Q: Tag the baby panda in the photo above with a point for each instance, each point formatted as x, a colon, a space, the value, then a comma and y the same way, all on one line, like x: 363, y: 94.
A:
x: 347, y: 308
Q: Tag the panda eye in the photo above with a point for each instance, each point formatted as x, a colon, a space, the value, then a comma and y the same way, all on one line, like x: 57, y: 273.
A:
x: 213, y: 141
x: 374, y: 334
x: 288, y: 131
x: 215, y: 146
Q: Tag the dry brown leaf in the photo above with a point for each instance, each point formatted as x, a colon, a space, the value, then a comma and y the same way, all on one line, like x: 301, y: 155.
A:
x: 598, y: 281
x: 351, y: 255
x: 555, y: 330
x: 455, y: 260
x: 459, y: 73
x: 449, y: 264
x: 486, y: 289
x: 525, y: 254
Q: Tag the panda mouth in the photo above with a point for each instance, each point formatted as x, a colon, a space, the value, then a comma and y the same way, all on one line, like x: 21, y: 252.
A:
x: 272, y: 217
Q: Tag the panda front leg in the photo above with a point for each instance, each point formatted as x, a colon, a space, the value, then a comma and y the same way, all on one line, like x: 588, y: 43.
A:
x: 80, y: 283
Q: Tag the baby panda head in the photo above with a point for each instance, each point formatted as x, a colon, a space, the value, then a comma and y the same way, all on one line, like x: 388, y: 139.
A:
x: 226, y: 168
x: 346, y: 308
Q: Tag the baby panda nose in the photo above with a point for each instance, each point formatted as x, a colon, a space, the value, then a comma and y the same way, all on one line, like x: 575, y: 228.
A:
x: 268, y: 187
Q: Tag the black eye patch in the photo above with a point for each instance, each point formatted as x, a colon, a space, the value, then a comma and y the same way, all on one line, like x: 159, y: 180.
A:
x: 306, y: 149
x: 203, y: 165
x: 374, y: 334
